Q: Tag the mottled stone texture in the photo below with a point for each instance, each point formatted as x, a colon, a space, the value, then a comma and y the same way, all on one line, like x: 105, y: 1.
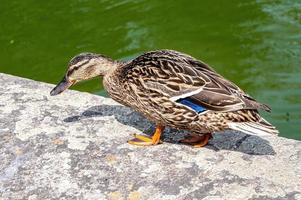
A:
x: 73, y: 146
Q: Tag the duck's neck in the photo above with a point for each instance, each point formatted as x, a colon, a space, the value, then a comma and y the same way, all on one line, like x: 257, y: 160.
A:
x: 106, y: 66
x: 112, y: 82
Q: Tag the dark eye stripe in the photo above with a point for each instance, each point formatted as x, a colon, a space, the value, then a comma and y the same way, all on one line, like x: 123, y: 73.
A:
x: 76, y: 68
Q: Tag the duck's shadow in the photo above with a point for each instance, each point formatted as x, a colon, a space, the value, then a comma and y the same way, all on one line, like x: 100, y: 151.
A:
x: 231, y: 140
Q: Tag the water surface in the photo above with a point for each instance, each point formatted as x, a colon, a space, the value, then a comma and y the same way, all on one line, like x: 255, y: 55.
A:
x: 256, y: 44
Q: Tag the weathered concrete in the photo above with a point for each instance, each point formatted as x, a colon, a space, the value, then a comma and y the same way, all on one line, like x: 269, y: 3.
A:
x: 73, y: 146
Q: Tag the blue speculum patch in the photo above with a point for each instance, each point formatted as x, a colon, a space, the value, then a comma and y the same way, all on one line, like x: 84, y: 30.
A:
x: 188, y: 102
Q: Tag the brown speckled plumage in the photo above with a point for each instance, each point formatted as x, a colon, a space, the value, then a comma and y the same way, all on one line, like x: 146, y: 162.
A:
x: 153, y: 83
x: 148, y: 83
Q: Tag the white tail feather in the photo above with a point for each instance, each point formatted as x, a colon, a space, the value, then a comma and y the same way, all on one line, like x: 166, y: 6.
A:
x: 261, y: 128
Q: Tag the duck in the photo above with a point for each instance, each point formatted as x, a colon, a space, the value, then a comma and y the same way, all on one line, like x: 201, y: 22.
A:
x: 172, y: 89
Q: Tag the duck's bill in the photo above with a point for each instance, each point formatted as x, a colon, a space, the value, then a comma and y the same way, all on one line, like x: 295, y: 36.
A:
x: 61, y: 87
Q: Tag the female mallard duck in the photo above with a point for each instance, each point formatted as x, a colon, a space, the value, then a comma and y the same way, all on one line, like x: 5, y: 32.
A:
x: 172, y: 89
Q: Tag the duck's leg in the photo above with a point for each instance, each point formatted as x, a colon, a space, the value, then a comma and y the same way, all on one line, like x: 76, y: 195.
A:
x: 197, y: 140
x: 142, y: 140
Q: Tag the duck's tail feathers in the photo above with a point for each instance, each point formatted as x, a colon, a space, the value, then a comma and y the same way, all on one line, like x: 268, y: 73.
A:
x: 259, y: 128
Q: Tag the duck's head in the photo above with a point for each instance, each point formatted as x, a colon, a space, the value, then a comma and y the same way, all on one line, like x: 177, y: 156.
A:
x: 83, y: 67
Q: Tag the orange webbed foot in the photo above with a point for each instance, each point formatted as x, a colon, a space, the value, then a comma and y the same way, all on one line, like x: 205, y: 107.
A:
x: 142, y: 140
x: 197, y: 141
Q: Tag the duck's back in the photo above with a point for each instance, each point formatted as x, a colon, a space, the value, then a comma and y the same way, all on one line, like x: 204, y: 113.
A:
x: 178, y: 74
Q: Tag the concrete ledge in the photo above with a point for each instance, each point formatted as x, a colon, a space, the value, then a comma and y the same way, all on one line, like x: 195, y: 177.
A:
x: 73, y: 146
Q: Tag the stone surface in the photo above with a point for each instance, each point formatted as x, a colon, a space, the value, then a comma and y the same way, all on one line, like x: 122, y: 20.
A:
x: 73, y: 146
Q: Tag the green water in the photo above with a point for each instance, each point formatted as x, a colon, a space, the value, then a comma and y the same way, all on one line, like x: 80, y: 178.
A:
x: 256, y: 44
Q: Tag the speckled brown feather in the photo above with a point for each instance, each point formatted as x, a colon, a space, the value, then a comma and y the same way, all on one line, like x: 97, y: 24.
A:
x: 151, y: 81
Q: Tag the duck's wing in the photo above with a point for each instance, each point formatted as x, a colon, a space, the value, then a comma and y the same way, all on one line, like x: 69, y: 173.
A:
x: 179, y: 76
